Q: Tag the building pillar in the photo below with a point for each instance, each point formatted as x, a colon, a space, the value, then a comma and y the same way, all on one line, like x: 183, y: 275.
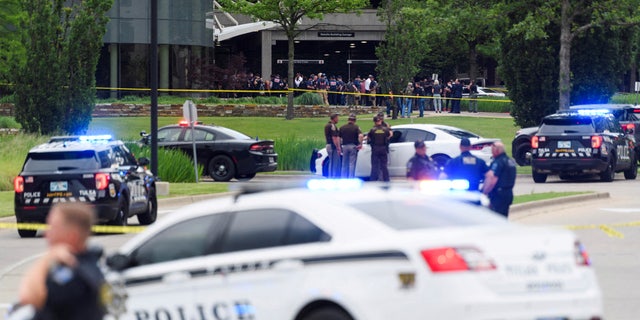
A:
x: 114, y: 79
x: 163, y: 57
x: 266, y: 54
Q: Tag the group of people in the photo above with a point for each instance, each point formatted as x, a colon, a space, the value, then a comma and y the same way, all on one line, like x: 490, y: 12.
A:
x: 429, y: 95
x: 337, y: 92
x: 495, y: 180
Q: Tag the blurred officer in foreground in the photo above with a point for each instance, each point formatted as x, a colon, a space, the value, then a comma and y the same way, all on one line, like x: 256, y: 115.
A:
x: 466, y: 166
x: 420, y: 166
x: 351, y: 142
x: 499, y: 180
x: 378, y: 137
x: 332, y: 137
x: 66, y: 283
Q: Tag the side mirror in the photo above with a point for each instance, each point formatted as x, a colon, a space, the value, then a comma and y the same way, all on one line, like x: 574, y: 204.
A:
x: 118, y: 262
x: 143, y: 161
x: 143, y: 133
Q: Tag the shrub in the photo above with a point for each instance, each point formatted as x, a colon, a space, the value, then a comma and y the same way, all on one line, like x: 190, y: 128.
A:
x: 9, y: 122
x: 308, y: 99
x: 173, y: 165
x: 294, y: 153
x: 7, y: 99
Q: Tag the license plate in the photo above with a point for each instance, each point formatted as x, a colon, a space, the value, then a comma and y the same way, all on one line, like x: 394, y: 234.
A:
x: 55, y: 186
x: 270, y: 160
x: 564, y: 144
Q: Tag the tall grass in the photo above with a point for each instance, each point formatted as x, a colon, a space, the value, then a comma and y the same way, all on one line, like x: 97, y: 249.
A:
x: 173, y: 165
x: 13, y: 150
x: 294, y: 153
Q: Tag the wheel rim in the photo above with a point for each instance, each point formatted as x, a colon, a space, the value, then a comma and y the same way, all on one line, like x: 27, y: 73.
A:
x: 221, y: 169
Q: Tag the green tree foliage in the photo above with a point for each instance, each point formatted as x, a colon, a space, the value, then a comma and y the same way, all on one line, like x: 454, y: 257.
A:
x: 10, y: 46
x: 54, y: 86
x: 288, y: 14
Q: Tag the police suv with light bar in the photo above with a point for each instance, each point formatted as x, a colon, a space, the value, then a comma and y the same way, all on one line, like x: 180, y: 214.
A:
x: 92, y: 169
x: 340, y: 250
x: 580, y: 143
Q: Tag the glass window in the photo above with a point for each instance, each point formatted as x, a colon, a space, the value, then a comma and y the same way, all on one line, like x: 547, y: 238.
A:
x: 419, y: 214
x: 169, y: 134
x: 201, y: 135
x: 256, y: 229
x: 186, y: 239
x: 567, y: 125
x: 303, y: 231
x: 68, y: 160
x: 413, y: 134
x: 459, y: 133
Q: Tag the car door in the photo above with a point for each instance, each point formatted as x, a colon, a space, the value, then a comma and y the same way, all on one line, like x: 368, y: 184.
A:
x: 622, y: 143
x: 205, y: 144
x: 133, y: 176
x: 403, y: 149
x: 165, y: 270
x: 255, y: 276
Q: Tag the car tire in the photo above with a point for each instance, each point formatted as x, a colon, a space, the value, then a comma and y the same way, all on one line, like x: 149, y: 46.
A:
x: 632, y: 172
x: 151, y: 214
x: 221, y: 168
x: 609, y: 173
x: 123, y: 213
x: 520, y: 155
x: 26, y: 233
x: 245, y: 177
x: 538, y: 177
x: 327, y: 314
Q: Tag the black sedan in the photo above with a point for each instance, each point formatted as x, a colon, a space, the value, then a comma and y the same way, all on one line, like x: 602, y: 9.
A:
x: 224, y: 153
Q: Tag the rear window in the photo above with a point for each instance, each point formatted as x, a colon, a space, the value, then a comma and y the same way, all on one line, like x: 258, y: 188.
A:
x: 416, y: 214
x: 61, y: 161
x: 459, y: 133
x: 566, y: 125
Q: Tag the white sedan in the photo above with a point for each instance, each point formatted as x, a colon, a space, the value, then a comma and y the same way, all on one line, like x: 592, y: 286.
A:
x: 443, y: 143
x: 343, y: 252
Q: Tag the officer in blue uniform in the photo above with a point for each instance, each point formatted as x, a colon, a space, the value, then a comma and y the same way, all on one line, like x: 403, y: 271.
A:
x: 466, y: 166
x: 420, y: 166
x: 499, y: 180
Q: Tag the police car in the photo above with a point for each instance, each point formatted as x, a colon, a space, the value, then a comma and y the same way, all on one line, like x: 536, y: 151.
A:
x: 338, y: 250
x: 92, y: 169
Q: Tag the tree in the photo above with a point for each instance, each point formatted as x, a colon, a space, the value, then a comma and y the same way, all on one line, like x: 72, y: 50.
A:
x: 400, y: 53
x: 10, y: 45
x: 288, y: 14
x: 55, y: 86
x: 573, y: 18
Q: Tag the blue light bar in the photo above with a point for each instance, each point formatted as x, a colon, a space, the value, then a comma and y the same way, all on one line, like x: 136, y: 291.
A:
x: 593, y: 112
x: 334, y: 184
x: 104, y: 137
x: 440, y: 186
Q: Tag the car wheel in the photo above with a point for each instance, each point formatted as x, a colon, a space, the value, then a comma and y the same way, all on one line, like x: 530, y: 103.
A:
x: 221, y: 168
x: 523, y: 154
x: 148, y: 217
x: 608, y: 174
x: 632, y: 172
x: 538, y: 177
x: 440, y: 160
x: 24, y: 233
x: 123, y: 214
x: 246, y: 177
x: 327, y: 314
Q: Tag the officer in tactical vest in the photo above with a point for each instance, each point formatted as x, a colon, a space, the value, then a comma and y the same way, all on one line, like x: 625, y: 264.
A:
x: 466, y: 166
x: 499, y: 180
x: 378, y: 137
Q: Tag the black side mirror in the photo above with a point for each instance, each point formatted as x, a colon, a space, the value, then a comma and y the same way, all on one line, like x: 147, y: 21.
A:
x: 118, y: 262
x: 143, y: 161
x: 143, y: 133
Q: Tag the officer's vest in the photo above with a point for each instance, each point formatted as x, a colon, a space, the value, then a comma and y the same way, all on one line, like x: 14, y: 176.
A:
x: 380, y: 137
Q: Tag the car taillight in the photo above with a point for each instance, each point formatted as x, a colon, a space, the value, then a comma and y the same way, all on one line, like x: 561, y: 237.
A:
x: 480, y: 146
x: 260, y: 147
x: 102, y: 180
x: 596, y: 142
x: 630, y: 127
x: 450, y: 259
x: 582, y: 257
x: 534, y: 142
x: 18, y: 184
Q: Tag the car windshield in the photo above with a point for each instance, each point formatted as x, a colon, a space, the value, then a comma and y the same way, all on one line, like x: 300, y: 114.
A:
x: 68, y: 160
x: 419, y: 214
x: 459, y: 133
x: 232, y: 134
x: 566, y: 125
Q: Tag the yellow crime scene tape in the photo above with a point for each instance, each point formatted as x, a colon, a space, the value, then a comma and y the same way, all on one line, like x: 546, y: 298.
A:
x: 96, y: 228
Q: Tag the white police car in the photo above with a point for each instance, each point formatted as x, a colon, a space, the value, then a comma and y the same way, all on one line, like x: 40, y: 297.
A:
x: 336, y: 253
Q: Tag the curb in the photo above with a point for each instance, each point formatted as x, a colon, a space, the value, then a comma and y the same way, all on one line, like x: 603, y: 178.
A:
x: 521, y: 208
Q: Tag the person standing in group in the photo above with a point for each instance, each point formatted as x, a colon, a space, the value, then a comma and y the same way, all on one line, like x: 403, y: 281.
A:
x: 421, y: 166
x: 473, y: 97
x: 351, y: 142
x: 418, y: 91
x: 378, y: 137
x: 66, y: 282
x: 406, y: 107
x: 466, y: 166
x: 437, y: 96
x: 446, y: 90
x: 499, y: 180
x: 332, y: 137
x: 456, y: 95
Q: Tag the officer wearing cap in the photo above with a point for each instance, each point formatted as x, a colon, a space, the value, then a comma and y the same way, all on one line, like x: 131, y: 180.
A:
x: 332, y: 137
x: 351, y: 142
x: 499, y: 180
x: 378, y: 137
x: 420, y: 166
x: 466, y: 166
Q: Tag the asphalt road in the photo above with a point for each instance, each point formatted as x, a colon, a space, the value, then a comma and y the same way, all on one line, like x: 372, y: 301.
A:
x: 608, y: 228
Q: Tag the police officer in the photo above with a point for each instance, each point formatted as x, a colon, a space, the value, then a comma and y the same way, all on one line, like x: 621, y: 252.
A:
x: 332, y: 137
x: 499, y: 180
x: 378, y: 137
x: 351, y: 142
x: 420, y: 166
x: 66, y: 282
x: 466, y: 166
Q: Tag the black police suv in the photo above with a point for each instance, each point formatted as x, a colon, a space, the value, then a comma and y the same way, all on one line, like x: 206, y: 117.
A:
x: 574, y: 144
x: 627, y: 114
x: 92, y: 169
x: 224, y: 153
